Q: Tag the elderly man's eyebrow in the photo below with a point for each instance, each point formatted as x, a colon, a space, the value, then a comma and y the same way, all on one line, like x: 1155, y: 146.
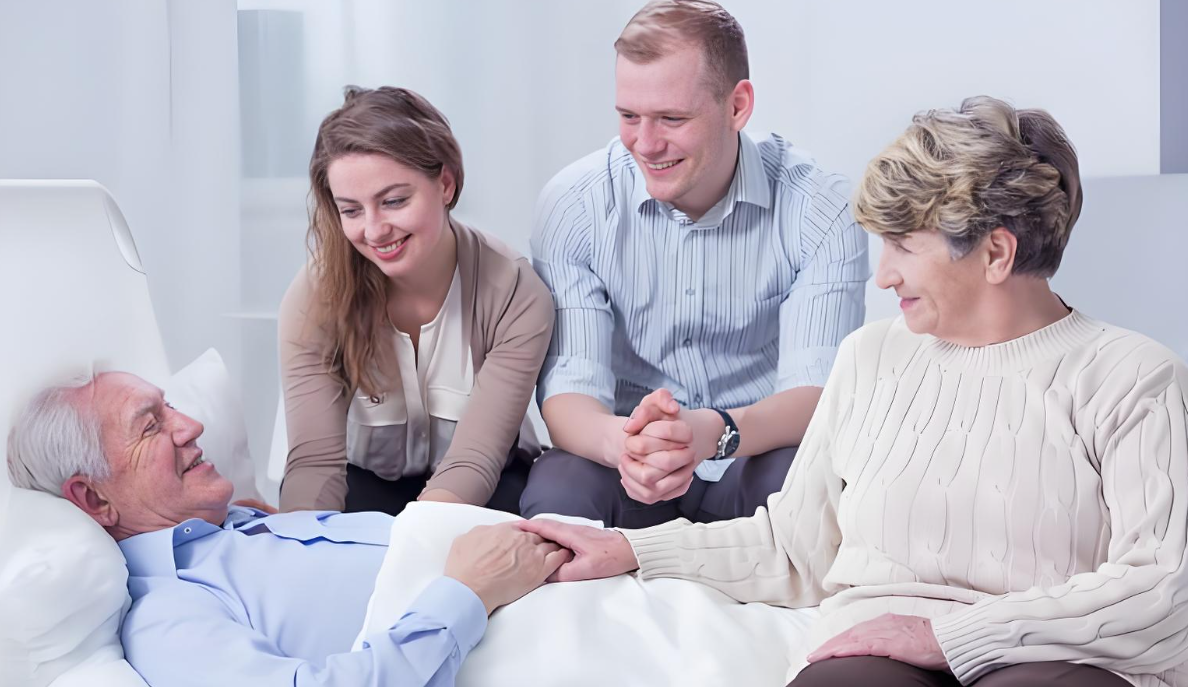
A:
x: 145, y: 407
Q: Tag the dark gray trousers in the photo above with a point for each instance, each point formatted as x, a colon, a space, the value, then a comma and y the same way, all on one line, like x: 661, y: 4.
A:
x: 876, y: 670
x: 563, y: 483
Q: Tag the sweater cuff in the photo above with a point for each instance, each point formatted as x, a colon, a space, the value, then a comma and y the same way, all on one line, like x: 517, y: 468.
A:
x: 971, y: 642
x: 657, y: 549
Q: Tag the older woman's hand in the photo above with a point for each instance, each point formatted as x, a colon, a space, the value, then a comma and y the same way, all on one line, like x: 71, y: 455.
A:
x: 905, y: 638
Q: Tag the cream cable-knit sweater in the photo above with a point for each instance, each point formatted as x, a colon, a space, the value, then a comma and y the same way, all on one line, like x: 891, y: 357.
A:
x: 1031, y: 497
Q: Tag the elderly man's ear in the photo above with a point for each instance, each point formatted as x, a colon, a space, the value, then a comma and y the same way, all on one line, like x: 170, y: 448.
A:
x: 81, y: 492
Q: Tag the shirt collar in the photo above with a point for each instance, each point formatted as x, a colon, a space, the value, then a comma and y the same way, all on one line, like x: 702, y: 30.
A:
x: 750, y: 184
x: 151, y: 554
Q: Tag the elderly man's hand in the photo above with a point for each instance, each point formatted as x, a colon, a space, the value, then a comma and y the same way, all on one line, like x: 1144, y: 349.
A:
x: 501, y: 563
x: 597, y: 553
x: 905, y: 638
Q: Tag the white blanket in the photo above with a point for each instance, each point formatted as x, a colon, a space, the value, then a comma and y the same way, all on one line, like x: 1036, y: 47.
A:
x: 617, y: 631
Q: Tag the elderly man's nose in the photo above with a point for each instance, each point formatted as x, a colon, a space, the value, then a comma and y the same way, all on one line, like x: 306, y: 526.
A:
x: 188, y: 429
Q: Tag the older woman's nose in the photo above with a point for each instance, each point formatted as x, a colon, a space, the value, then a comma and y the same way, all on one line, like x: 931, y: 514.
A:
x: 887, y: 276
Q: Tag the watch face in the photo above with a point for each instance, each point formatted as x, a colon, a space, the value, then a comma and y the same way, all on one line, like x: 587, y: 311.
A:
x: 732, y: 443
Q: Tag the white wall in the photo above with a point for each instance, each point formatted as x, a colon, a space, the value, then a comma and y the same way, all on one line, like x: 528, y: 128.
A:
x: 528, y: 85
x: 843, y: 77
x: 142, y: 97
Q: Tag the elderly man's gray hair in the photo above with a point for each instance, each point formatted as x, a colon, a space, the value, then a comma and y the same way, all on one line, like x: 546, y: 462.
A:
x: 55, y: 438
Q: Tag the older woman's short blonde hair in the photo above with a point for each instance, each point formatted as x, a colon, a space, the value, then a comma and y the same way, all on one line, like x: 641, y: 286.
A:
x: 965, y: 172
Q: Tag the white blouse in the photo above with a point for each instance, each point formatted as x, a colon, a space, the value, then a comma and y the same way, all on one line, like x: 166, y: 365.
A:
x: 408, y: 434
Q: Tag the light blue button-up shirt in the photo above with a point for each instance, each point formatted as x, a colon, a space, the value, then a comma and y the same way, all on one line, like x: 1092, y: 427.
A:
x: 278, y: 600
x: 751, y: 299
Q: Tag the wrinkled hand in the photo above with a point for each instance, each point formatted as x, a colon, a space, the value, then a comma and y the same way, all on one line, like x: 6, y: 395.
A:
x: 501, y: 563
x: 258, y: 505
x: 659, y: 460
x: 905, y: 638
x: 597, y: 553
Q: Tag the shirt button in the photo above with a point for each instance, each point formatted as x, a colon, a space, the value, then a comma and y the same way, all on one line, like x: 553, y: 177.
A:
x: 690, y: 291
x: 187, y: 530
x: 697, y: 398
x: 688, y: 342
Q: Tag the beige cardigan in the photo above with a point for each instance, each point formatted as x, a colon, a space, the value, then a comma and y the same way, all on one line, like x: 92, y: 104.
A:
x: 510, y: 325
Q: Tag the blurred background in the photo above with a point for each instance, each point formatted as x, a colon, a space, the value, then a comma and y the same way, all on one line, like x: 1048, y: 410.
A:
x: 200, y: 116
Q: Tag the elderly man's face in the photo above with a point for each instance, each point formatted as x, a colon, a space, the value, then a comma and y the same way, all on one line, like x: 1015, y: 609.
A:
x: 158, y: 478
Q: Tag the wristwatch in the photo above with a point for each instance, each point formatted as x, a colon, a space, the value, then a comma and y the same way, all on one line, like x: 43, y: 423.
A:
x: 728, y: 442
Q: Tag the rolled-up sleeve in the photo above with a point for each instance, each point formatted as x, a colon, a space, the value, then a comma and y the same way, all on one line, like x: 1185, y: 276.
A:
x: 579, y: 356
x: 827, y: 300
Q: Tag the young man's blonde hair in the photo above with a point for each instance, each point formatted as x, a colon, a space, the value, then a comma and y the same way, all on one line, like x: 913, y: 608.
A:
x: 664, y: 26
x: 967, y: 171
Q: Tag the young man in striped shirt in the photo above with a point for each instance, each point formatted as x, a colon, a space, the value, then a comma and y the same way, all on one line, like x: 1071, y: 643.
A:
x: 703, y: 281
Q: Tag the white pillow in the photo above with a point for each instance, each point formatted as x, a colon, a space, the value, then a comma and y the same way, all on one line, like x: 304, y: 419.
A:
x: 617, y: 631
x: 63, y: 580
x: 204, y: 391
x: 63, y: 593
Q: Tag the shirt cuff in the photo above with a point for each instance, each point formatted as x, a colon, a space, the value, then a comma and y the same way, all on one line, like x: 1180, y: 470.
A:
x: 571, y: 375
x: 457, y: 607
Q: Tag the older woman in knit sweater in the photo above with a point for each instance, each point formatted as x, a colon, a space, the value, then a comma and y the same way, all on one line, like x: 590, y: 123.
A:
x: 994, y: 487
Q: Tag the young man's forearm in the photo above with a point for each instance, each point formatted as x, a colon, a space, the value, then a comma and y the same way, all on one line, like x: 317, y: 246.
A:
x: 777, y: 421
x: 581, y: 425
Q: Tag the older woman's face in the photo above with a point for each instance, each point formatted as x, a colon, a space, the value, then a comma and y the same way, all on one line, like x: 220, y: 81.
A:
x: 938, y: 295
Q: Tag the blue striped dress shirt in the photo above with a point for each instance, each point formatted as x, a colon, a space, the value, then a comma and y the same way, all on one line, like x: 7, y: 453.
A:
x: 751, y: 299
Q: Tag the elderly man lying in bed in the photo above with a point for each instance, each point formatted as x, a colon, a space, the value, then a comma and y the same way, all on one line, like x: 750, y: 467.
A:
x: 225, y: 594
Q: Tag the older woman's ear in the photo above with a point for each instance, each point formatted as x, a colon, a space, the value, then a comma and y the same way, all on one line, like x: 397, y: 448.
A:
x: 1000, y: 247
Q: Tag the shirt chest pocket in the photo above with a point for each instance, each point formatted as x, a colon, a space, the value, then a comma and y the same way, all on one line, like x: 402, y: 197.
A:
x: 447, y: 403
x: 376, y: 435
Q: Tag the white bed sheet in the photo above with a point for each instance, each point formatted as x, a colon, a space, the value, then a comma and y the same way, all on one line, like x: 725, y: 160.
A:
x: 617, y: 631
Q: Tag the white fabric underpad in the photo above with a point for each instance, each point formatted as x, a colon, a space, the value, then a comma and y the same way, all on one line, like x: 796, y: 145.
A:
x: 617, y: 631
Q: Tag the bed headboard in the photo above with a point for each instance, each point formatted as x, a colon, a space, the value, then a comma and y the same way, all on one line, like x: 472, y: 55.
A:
x: 74, y: 292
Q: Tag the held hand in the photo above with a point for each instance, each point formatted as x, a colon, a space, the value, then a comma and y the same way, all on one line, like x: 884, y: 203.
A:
x: 905, y: 638
x: 501, y: 563
x: 597, y: 553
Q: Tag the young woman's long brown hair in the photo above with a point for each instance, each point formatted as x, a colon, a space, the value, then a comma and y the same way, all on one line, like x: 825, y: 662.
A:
x: 352, y: 291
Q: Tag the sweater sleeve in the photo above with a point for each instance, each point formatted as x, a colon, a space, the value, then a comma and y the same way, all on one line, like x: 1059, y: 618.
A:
x: 1129, y: 615
x: 502, y: 390
x: 315, y: 408
x: 781, y: 554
